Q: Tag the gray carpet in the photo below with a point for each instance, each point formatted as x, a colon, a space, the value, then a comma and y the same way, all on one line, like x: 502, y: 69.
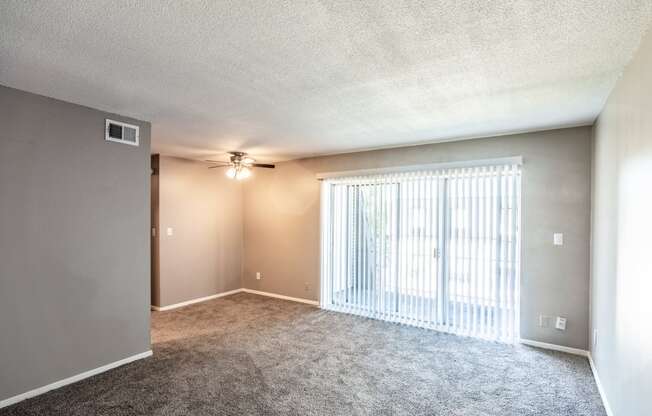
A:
x: 249, y: 355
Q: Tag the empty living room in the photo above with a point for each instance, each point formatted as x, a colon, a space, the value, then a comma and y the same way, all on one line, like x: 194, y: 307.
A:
x: 326, y: 207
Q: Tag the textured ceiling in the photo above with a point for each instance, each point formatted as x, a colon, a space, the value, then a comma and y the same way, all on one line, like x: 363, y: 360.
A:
x: 293, y: 78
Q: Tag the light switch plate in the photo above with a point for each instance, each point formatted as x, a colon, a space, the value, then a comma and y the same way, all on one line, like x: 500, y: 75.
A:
x: 558, y: 239
x: 170, y: 231
x: 561, y: 323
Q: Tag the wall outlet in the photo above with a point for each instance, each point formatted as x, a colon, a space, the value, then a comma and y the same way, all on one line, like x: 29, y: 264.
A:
x: 545, y: 321
x: 560, y: 323
x: 306, y: 287
x: 259, y: 275
x: 558, y: 239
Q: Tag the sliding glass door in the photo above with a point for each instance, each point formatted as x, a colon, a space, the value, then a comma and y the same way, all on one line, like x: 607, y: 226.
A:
x: 437, y: 249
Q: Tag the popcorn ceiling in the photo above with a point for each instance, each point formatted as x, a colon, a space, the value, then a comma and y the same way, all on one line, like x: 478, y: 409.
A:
x: 286, y: 79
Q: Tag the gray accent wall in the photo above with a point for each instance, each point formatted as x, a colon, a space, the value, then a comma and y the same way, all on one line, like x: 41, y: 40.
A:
x: 281, y: 222
x: 203, y: 207
x: 621, y: 279
x: 74, y: 242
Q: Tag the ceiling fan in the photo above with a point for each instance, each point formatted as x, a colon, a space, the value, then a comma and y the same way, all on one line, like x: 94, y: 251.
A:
x: 239, y: 166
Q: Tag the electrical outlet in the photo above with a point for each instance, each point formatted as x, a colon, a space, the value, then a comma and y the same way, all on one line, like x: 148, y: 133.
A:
x: 560, y: 323
x: 259, y: 275
x: 558, y: 239
x: 307, y: 287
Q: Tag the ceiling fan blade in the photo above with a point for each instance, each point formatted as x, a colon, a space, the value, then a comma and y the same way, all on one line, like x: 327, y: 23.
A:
x: 219, y: 162
x: 263, y: 165
x: 217, y: 166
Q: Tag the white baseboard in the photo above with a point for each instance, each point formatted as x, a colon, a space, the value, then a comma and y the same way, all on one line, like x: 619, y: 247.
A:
x: 274, y: 295
x: 605, y: 402
x: 73, y: 379
x: 583, y: 353
x: 190, y: 302
x: 233, y: 292
x: 554, y: 347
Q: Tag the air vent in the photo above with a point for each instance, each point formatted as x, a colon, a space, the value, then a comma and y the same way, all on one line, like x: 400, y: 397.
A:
x: 119, y: 132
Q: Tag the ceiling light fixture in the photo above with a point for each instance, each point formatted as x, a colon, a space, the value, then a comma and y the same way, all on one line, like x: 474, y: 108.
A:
x: 243, y: 173
x: 238, y: 171
x: 240, y: 165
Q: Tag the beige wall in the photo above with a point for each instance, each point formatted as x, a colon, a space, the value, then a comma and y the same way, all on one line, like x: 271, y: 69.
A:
x: 282, y: 221
x: 203, y: 257
x: 621, y: 281
x: 74, y: 245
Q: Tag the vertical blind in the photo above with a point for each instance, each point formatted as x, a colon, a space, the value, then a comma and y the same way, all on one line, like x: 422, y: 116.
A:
x: 436, y: 248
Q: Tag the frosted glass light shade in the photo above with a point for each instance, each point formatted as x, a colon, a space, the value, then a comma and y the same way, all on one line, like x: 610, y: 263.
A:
x: 244, y: 173
x: 231, y: 172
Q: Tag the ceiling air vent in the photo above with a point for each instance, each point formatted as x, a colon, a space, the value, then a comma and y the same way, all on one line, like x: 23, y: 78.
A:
x: 119, y: 132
